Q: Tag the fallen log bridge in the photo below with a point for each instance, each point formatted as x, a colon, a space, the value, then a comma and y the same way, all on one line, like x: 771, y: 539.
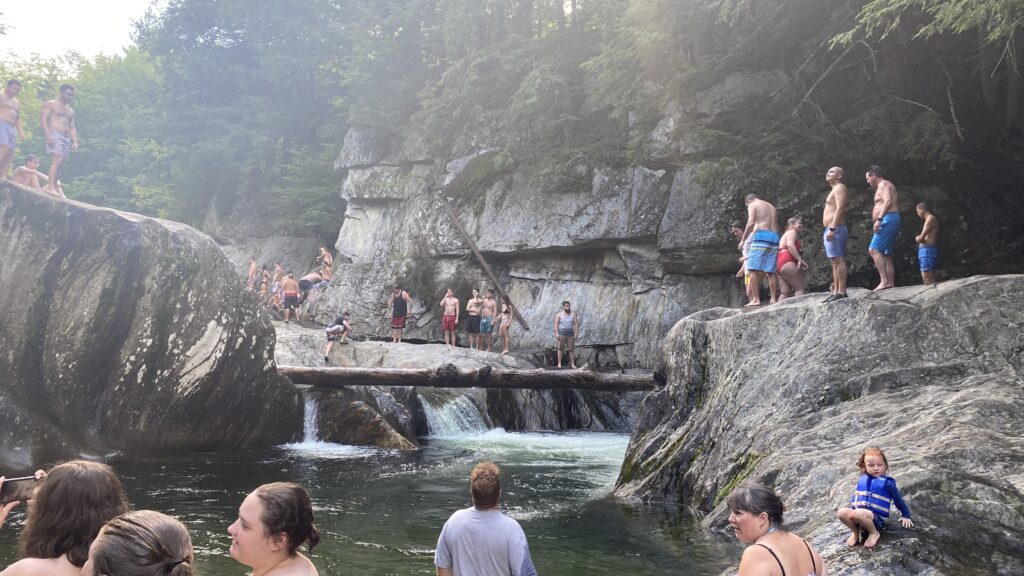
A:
x: 451, y: 376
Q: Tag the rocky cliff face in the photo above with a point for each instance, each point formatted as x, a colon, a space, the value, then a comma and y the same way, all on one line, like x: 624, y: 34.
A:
x: 635, y: 247
x: 126, y: 333
x: 792, y: 394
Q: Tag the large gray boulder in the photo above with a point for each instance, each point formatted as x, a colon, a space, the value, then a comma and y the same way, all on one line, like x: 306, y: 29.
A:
x: 127, y: 334
x: 791, y: 395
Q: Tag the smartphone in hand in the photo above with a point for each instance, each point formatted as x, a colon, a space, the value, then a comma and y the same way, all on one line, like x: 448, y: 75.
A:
x: 17, y: 489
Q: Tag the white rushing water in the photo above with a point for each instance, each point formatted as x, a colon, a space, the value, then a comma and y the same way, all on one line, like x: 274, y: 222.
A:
x: 456, y: 417
x: 312, y: 447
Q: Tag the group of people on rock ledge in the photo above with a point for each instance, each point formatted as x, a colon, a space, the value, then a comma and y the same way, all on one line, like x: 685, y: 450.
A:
x: 483, y: 320
x: 57, y: 120
x: 280, y: 291
x: 765, y: 253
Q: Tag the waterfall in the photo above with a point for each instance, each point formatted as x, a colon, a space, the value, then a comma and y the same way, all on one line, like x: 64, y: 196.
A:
x: 453, y: 417
x: 309, y: 417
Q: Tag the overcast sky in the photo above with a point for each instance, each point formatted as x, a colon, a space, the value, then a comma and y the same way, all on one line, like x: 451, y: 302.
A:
x: 55, y: 27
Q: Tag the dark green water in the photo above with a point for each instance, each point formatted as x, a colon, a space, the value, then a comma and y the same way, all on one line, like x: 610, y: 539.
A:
x: 380, y: 512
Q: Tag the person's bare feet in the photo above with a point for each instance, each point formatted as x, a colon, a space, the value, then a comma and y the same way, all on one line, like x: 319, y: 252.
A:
x: 854, y: 538
x: 504, y: 351
x: 872, y: 539
x: 573, y: 366
x: 752, y: 304
x: 882, y: 287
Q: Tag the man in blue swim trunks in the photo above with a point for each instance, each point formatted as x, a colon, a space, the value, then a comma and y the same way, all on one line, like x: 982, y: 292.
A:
x: 886, y: 223
x: 763, y: 223
x: 927, y: 243
x: 488, y: 310
x: 836, y: 233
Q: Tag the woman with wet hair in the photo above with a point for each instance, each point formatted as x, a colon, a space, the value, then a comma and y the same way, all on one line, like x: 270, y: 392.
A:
x: 756, y: 518
x: 141, y: 543
x: 273, y: 522
x: 68, y: 508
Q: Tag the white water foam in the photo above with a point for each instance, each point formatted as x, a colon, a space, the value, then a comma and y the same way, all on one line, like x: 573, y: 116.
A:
x: 457, y: 417
x: 311, y: 445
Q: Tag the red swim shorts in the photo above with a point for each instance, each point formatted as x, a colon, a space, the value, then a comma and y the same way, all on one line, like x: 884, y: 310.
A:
x: 448, y: 322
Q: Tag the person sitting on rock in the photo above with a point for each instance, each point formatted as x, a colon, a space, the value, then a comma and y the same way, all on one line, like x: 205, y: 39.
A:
x: 875, y: 493
x: 338, y: 331
x: 756, y: 518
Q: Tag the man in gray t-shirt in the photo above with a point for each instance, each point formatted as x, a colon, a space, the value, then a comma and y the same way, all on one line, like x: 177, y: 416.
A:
x: 481, y: 541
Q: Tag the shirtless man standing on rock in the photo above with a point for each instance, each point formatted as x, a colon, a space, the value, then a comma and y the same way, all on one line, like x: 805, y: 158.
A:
x: 10, y: 125
x: 488, y: 309
x: 450, y: 320
x: 473, y: 319
x: 58, y: 122
x: 886, y: 221
x: 763, y: 223
x: 290, y: 289
x: 29, y: 174
x: 836, y: 233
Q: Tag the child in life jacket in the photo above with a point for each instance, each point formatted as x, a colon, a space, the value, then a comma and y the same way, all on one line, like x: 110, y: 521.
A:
x: 875, y: 493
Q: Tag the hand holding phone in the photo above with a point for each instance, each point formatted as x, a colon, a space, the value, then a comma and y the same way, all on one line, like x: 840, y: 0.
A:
x: 16, y: 489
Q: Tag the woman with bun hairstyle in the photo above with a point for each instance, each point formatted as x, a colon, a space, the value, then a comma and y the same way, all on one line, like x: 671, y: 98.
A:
x: 141, y: 543
x: 273, y: 522
x: 756, y: 518
x: 68, y: 508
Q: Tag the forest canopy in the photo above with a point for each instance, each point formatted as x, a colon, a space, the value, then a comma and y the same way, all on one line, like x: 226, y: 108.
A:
x: 222, y: 102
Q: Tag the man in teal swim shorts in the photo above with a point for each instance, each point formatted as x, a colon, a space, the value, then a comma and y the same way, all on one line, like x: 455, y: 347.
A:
x: 886, y: 223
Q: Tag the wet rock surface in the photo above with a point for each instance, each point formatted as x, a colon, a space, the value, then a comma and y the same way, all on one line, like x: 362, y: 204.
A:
x: 393, y: 417
x: 127, y: 334
x: 791, y: 394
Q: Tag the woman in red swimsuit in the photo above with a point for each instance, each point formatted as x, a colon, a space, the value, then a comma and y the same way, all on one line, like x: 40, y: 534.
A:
x: 790, y: 263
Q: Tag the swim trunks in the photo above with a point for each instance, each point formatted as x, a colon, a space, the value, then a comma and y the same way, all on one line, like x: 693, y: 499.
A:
x: 473, y: 324
x: 836, y: 248
x: 486, y: 325
x: 566, y: 333
x: 928, y: 257
x: 448, y: 322
x: 785, y: 257
x: 305, y: 285
x: 397, y: 322
x: 335, y: 331
x: 291, y: 302
x: 60, y: 146
x: 763, y: 252
x: 883, y: 240
x: 8, y: 135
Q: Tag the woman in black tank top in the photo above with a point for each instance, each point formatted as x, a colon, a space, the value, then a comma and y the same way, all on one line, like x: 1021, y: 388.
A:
x: 756, y: 518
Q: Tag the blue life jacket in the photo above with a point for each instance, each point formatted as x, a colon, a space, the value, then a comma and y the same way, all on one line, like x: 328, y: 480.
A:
x: 873, y: 494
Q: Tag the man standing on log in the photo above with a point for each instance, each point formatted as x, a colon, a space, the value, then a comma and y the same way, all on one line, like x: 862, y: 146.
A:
x: 567, y: 326
x: 450, y: 319
x: 480, y: 540
x: 836, y: 233
x: 58, y: 122
x: 763, y: 223
x: 886, y: 223
x: 398, y: 302
x: 473, y: 319
x: 10, y: 125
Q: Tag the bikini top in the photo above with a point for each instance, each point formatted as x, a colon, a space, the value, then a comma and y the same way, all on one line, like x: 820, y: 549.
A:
x: 814, y: 568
